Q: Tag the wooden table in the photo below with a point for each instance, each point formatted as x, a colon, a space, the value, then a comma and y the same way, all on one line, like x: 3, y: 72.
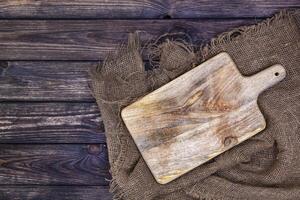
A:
x: 51, y: 132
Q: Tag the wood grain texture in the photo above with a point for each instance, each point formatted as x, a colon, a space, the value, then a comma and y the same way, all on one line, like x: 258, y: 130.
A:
x: 40, y: 170
x: 45, y: 81
x: 75, y: 164
x: 141, y: 9
x: 197, y: 116
x: 54, y: 193
x: 50, y: 123
x: 93, y: 39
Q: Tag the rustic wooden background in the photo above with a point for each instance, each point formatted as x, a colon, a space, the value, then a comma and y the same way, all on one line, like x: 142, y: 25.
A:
x: 51, y: 134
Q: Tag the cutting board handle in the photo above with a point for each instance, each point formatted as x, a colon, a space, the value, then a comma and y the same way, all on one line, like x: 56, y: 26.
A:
x: 265, y: 79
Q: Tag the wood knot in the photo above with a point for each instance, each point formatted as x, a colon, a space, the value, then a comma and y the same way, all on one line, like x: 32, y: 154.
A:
x: 229, y: 141
x: 3, y: 67
x: 94, y: 149
x: 3, y: 64
x: 2, y: 162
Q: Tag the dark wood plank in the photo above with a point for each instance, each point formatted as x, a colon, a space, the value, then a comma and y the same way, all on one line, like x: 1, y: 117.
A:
x: 54, y: 164
x: 54, y: 193
x: 40, y: 81
x: 141, y: 8
x: 92, y: 39
x: 50, y: 123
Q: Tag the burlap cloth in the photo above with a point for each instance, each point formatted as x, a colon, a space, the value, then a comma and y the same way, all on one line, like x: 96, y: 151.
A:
x: 266, y: 166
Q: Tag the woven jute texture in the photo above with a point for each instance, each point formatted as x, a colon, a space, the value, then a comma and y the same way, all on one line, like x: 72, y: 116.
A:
x: 267, y: 166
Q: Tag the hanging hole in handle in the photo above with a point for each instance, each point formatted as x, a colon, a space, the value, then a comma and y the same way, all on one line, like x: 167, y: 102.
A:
x: 276, y: 73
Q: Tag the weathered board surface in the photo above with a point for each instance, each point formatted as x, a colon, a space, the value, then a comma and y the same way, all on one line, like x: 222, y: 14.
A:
x: 141, y: 9
x: 197, y: 116
x: 93, y: 39
x: 46, y: 109
x: 73, y: 164
x: 51, y: 122
x: 54, y: 193
x: 45, y: 81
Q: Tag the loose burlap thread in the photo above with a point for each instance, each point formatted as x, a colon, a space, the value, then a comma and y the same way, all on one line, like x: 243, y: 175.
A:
x: 267, y: 166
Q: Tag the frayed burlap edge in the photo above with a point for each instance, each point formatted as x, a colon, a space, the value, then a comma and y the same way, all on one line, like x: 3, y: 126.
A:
x: 246, y: 31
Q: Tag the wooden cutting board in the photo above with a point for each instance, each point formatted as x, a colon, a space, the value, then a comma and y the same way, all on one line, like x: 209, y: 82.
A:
x: 198, y: 115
